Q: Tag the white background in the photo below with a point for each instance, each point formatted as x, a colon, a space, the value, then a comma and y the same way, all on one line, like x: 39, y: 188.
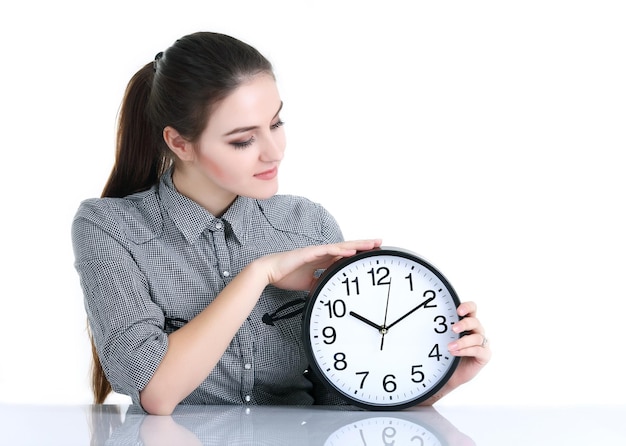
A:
x: 483, y: 135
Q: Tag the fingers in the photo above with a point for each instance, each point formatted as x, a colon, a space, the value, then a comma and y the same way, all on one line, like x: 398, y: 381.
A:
x: 467, y: 309
x: 343, y: 249
x: 475, y: 345
x: 358, y: 245
x: 469, y: 322
x: 475, y: 342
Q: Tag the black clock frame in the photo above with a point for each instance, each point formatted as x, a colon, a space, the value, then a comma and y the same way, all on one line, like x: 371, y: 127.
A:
x: 312, y: 297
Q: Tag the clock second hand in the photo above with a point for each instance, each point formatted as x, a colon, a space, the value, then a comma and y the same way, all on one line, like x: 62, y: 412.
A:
x: 384, y: 328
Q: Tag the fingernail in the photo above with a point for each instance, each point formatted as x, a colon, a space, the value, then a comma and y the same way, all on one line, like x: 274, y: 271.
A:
x: 456, y: 328
x: 453, y: 347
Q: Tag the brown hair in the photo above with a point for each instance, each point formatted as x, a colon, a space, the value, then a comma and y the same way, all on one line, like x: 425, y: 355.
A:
x: 178, y: 89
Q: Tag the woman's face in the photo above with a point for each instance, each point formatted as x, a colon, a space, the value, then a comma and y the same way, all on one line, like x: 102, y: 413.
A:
x: 241, y: 148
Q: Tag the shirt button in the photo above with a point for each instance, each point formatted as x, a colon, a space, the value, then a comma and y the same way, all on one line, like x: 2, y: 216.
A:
x: 247, y: 366
x: 247, y: 398
x: 226, y: 274
x: 218, y: 225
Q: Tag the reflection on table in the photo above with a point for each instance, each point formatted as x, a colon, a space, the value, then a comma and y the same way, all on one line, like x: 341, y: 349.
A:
x: 235, y: 425
x: 272, y: 425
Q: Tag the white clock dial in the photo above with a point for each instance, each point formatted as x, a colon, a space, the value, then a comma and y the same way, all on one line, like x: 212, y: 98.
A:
x: 383, y: 430
x: 377, y: 326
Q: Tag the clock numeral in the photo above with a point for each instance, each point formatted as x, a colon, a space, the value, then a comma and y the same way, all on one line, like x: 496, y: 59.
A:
x: 415, y: 371
x: 430, y: 294
x: 389, y: 384
x: 383, y: 273
x: 355, y: 281
x: 410, y: 279
x: 441, y: 323
x: 330, y: 335
x: 434, y: 353
x: 336, y: 308
x: 340, y: 361
x: 364, y: 376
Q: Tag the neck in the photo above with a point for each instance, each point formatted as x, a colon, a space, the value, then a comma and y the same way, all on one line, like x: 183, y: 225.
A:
x: 199, y: 189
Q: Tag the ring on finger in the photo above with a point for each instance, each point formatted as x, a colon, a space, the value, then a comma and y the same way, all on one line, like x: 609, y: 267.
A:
x: 485, y: 342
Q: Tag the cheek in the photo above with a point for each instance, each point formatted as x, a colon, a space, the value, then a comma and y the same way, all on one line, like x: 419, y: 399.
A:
x: 215, y: 169
x: 220, y: 170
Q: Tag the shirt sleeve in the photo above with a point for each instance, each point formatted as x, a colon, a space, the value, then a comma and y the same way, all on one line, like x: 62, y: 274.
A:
x: 127, y: 326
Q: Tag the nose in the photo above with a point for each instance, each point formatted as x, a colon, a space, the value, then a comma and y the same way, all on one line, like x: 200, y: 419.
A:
x: 273, y: 148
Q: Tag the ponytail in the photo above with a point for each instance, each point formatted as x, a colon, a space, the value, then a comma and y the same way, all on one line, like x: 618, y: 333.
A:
x: 139, y: 159
x: 100, y: 386
x: 138, y: 165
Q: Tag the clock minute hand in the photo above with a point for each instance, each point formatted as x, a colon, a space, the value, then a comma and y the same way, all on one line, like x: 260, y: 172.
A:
x: 410, y: 312
x: 367, y: 321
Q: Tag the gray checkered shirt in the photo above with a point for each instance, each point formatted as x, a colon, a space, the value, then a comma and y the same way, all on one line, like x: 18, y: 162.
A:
x: 150, y: 262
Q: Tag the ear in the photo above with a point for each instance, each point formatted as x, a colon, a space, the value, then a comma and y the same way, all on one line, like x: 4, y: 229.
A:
x: 182, y: 148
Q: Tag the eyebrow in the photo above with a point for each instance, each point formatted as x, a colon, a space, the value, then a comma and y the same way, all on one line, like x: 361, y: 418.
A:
x: 253, y: 127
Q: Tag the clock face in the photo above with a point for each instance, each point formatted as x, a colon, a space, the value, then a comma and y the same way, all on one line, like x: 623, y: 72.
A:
x: 376, y: 328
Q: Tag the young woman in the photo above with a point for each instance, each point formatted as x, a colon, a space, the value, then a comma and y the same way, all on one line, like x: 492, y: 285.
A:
x: 191, y: 266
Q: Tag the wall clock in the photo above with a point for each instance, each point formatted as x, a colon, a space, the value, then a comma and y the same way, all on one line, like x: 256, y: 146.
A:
x: 376, y: 328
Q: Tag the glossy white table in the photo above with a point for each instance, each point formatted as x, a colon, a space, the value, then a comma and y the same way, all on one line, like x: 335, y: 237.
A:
x: 264, y: 425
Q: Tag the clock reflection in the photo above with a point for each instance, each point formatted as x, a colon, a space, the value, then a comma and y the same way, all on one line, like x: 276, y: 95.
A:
x: 272, y: 425
x: 384, y: 431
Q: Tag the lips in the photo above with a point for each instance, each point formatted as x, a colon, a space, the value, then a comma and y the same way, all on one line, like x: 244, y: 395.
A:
x: 268, y: 174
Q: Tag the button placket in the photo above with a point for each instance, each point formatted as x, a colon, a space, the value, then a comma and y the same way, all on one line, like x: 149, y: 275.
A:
x: 246, y: 344
x: 221, y: 250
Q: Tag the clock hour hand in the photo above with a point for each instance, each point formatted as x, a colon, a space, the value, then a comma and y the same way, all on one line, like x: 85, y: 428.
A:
x: 367, y: 321
x: 423, y: 304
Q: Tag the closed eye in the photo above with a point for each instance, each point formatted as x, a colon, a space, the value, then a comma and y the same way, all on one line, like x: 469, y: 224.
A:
x: 277, y: 125
x: 249, y: 142
x: 243, y: 144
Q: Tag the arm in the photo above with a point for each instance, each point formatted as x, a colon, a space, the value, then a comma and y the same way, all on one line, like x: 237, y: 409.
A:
x: 195, y: 349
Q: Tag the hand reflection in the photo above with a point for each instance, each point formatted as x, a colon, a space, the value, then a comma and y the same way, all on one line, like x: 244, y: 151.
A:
x: 286, y: 425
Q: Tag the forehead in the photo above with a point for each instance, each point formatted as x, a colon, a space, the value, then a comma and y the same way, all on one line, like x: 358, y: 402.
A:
x: 253, y: 103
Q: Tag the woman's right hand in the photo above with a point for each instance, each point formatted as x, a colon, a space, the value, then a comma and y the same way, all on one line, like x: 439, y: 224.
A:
x: 295, y: 270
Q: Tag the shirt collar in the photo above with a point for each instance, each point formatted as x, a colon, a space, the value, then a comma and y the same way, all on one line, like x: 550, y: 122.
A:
x: 192, y: 219
x: 239, y: 217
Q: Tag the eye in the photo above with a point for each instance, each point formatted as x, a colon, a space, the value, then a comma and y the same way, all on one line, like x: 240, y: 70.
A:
x: 277, y: 124
x: 242, y: 144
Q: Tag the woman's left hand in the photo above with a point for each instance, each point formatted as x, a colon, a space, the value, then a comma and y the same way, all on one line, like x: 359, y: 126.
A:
x: 473, y: 348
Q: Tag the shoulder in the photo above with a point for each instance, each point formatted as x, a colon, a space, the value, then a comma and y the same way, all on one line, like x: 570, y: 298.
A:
x: 292, y: 213
x: 285, y: 210
x: 278, y: 204
x: 136, y: 217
